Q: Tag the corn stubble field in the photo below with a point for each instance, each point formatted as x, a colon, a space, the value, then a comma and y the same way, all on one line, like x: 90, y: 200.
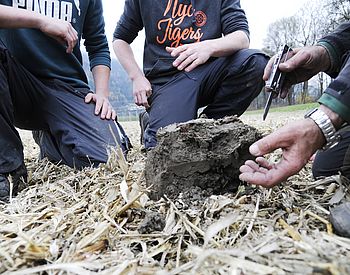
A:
x: 92, y: 222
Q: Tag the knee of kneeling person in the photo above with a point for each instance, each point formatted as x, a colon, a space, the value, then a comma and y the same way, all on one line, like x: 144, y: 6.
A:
x: 261, y: 61
x: 87, y: 158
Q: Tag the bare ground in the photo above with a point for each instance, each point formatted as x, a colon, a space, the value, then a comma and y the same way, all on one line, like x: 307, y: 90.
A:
x: 101, y: 221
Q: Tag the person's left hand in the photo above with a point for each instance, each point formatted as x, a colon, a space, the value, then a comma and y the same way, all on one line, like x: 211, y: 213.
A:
x: 298, y: 141
x: 103, y: 106
x: 190, y: 56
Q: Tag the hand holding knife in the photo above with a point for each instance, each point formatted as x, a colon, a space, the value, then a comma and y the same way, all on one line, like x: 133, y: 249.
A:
x: 275, y: 81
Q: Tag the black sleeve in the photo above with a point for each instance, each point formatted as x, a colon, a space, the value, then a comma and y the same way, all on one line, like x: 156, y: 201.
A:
x: 337, y: 44
x: 233, y: 17
x: 96, y: 43
x: 337, y: 95
x: 130, y: 23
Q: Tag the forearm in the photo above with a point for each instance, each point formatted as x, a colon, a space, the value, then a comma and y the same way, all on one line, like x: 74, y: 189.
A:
x: 101, y: 75
x: 228, y: 44
x: 19, y: 18
x: 126, y: 58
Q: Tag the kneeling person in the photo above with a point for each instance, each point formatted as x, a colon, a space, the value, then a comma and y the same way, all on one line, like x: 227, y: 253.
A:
x: 195, y: 56
x: 43, y: 88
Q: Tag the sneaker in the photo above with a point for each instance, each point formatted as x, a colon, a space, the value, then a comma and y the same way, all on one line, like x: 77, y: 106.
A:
x: 19, y: 180
x: 143, y: 121
x: 340, y: 219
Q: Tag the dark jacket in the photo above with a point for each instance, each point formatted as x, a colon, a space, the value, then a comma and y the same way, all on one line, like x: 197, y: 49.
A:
x: 176, y: 22
x: 45, y: 57
x: 337, y: 94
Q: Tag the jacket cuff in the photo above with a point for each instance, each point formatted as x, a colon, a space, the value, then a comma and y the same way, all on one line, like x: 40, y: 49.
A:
x: 104, y: 60
x: 336, y: 106
x: 333, y: 55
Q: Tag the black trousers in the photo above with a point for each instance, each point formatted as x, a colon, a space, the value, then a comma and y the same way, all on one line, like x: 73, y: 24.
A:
x: 334, y: 160
x: 225, y: 86
x: 65, y: 126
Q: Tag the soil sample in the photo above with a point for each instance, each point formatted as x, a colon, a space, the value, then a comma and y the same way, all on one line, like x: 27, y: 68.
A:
x: 202, y: 153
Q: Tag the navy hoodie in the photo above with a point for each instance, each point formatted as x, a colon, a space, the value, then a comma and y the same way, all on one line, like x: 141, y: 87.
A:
x: 174, y: 23
x: 45, y: 57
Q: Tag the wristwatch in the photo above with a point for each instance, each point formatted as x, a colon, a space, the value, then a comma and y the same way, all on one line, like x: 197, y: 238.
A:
x: 325, y: 124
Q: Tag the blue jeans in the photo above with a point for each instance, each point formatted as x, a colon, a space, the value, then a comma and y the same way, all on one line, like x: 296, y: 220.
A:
x: 224, y: 86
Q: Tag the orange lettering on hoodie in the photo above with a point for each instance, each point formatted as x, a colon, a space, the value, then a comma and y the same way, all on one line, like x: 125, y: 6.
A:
x: 174, y: 15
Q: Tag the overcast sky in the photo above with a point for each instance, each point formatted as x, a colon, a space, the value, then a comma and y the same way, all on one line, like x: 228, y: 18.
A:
x: 260, y: 14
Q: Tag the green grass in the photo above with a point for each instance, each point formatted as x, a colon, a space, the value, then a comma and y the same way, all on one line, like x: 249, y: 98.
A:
x: 291, y: 108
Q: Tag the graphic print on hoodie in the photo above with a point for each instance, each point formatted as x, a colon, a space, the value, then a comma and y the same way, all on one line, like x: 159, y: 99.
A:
x: 46, y: 58
x: 171, y: 27
x: 53, y: 8
x: 176, y: 22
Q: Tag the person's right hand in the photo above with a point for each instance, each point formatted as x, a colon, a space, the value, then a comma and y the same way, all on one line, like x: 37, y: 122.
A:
x: 142, y: 89
x: 298, y: 140
x: 60, y: 30
x: 303, y: 63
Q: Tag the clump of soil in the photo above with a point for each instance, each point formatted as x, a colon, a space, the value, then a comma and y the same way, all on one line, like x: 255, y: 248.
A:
x: 151, y: 223
x: 205, y: 153
x: 192, y: 198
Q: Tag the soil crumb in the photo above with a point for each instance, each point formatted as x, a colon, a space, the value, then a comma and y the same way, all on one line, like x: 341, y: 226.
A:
x: 151, y: 223
x: 202, y: 153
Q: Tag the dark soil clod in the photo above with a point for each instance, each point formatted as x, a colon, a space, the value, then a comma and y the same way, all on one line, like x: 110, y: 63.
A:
x: 205, y: 153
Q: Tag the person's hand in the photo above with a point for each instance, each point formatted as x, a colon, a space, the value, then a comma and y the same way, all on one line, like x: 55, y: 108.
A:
x: 103, y: 106
x: 142, y: 89
x: 303, y: 63
x: 298, y: 140
x: 60, y: 30
x: 190, y: 56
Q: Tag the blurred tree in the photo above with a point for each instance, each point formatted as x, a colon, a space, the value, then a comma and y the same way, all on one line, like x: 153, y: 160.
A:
x: 283, y: 31
x: 312, y: 20
x: 338, y: 11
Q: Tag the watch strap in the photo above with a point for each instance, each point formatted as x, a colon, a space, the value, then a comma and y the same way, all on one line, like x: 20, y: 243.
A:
x: 325, y: 124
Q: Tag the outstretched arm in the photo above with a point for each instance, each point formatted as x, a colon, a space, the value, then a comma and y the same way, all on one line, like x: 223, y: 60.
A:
x: 301, y: 139
x: 298, y: 141
x: 58, y: 29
